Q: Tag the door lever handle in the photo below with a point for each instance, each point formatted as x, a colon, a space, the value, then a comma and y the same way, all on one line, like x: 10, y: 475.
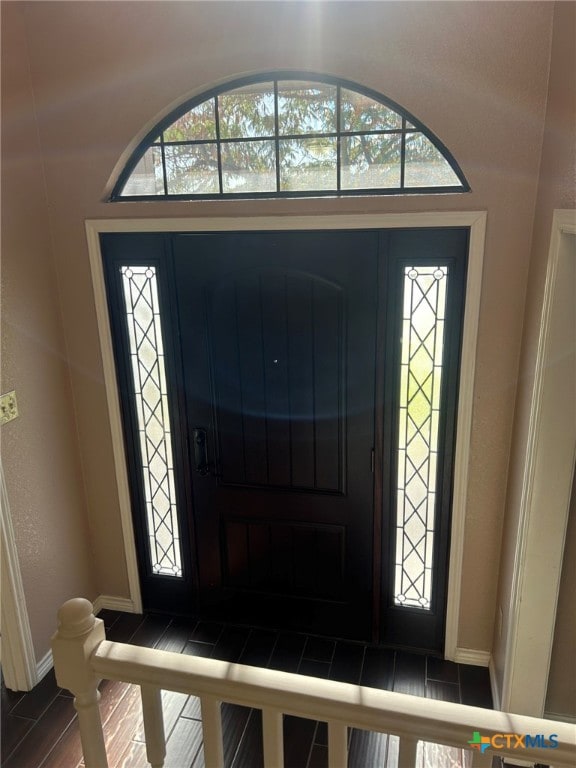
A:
x: 200, y: 451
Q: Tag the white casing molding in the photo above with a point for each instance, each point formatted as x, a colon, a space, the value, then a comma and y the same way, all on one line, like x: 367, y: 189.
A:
x: 44, y: 665
x: 473, y: 657
x: 475, y: 220
x: 547, y: 483
x: 112, y: 603
x: 114, y: 414
x: 18, y: 657
x: 463, y: 433
x: 494, y: 684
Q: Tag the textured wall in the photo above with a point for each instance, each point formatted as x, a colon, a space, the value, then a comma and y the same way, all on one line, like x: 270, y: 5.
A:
x: 475, y: 73
x: 40, y: 449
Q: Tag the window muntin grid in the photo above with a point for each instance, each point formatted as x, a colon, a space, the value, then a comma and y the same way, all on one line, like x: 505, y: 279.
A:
x: 142, y: 308
x: 286, y: 137
x: 422, y: 347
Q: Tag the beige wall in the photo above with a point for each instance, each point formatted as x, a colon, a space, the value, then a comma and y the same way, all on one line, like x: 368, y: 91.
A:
x: 557, y: 189
x: 475, y: 73
x: 40, y: 449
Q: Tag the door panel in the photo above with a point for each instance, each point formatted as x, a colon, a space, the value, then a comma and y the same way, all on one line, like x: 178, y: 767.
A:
x: 278, y: 558
x: 300, y: 434
x: 283, y: 325
x: 277, y: 352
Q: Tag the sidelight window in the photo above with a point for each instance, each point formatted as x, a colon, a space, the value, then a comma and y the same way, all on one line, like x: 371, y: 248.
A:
x: 140, y: 292
x: 292, y: 136
x: 422, y: 350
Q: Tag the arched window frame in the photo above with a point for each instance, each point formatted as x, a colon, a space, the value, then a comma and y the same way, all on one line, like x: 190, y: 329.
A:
x: 409, y: 125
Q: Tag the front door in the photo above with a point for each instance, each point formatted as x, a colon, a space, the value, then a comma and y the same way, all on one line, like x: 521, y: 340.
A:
x: 275, y: 330
x: 273, y: 453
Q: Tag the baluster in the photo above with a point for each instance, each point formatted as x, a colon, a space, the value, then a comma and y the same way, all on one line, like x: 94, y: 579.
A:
x: 337, y: 745
x: 153, y: 725
x: 273, y: 738
x: 212, y: 732
x: 79, y: 634
x: 407, y: 753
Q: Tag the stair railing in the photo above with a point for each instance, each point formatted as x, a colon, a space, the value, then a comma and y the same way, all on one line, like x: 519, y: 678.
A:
x: 83, y: 657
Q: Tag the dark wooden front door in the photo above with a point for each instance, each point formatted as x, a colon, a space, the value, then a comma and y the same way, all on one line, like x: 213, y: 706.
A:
x: 289, y: 403
x: 278, y: 339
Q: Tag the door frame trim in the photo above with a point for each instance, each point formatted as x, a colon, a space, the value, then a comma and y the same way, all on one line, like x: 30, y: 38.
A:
x: 19, y: 665
x: 547, y: 484
x: 475, y: 220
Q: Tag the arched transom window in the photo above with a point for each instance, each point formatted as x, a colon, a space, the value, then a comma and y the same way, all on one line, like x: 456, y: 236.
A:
x: 288, y: 135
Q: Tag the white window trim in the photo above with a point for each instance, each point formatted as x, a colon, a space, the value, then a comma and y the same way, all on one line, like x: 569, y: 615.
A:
x: 476, y: 220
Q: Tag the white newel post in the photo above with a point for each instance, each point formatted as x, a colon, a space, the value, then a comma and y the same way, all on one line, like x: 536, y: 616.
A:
x: 79, y: 634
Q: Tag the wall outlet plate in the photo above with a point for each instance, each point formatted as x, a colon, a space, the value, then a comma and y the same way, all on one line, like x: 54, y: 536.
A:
x: 8, y: 407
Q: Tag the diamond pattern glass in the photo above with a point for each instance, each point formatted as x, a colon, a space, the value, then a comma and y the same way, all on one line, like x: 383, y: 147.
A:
x: 424, y: 306
x: 149, y: 378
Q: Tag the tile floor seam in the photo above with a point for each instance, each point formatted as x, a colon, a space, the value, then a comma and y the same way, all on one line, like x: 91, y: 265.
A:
x: 241, y: 739
x: 5, y: 758
x: 43, y: 711
x: 239, y: 656
x: 62, y: 736
x: 312, y: 745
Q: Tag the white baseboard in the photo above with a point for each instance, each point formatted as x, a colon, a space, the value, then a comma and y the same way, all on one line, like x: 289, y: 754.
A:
x: 471, y: 656
x: 44, y: 665
x: 112, y: 603
x: 561, y: 718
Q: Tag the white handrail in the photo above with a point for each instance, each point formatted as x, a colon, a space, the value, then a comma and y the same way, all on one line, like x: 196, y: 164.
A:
x: 342, y: 705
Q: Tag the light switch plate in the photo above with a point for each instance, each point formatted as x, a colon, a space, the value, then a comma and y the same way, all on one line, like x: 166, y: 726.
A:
x: 8, y: 407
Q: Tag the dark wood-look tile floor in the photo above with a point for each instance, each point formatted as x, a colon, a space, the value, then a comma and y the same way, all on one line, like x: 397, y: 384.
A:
x: 39, y: 728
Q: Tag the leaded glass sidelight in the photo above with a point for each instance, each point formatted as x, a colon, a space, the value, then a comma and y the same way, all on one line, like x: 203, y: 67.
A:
x: 422, y: 347
x: 297, y: 135
x: 140, y: 293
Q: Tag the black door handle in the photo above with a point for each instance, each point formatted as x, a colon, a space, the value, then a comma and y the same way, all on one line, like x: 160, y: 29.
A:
x: 200, y: 451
